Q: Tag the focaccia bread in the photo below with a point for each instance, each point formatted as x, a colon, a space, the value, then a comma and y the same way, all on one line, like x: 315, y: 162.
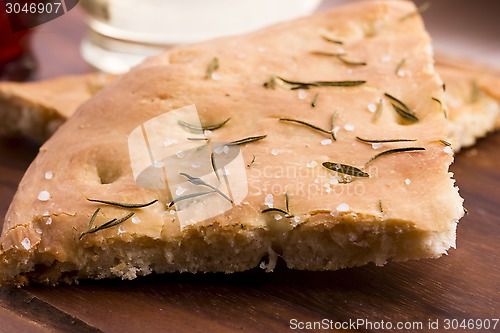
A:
x: 35, y: 110
x: 316, y: 196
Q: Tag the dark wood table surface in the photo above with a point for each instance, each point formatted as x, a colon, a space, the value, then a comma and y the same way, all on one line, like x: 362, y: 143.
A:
x: 463, y: 285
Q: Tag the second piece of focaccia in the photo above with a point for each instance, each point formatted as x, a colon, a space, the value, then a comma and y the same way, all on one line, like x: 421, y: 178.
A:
x: 336, y: 161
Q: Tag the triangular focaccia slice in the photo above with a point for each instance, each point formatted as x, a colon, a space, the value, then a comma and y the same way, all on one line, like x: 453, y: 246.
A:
x: 402, y: 205
x: 35, y: 110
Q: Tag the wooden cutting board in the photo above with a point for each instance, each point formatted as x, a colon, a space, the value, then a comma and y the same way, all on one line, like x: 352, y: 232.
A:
x: 462, y: 285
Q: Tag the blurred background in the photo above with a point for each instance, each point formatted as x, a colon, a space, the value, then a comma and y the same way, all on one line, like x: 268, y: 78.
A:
x: 113, y: 37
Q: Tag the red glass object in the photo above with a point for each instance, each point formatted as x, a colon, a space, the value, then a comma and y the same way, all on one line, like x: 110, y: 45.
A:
x: 16, y: 62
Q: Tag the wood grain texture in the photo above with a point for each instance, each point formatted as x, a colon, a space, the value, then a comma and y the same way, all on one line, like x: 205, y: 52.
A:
x: 461, y: 285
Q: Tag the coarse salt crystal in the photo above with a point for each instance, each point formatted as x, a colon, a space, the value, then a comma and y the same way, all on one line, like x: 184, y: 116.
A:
x: 343, y: 207
x: 407, y: 181
x: 26, y: 243
x: 312, y: 164
x: 136, y: 220
x: 401, y: 73
x: 334, y: 181
x: 448, y: 150
x: 372, y: 107
x: 377, y: 145
x: 49, y: 221
x: 386, y: 58
x: 196, y: 165
x: 269, y: 201
x: 39, y: 231
x: 180, y: 190
x: 349, y: 127
x: 169, y: 142
x: 49, y: 175
x: 226, y: 172
x: 218, y: 150
x: 216, y: 77
x: 278, y: 217
x: 326, y: 142
x: 316, y: 180
x: 121, y: 230
x: 225, y: 149
x: 275, y: 151
x: 302, y: 94
x: 180, y: 154
x: 328, y: 190
x: 296, y: 219
x: 158, y: 165
x: 44, y: 196
x: 207, y: 132
x: 172, y: 212
x: 46, y: 214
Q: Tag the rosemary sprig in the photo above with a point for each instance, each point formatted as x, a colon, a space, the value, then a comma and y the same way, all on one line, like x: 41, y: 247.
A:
x: 201, y: 182
x: 246, y: 140
x: 107, y: 225
x: 441, y: 106
x: 192, y: 127
x: 345, y: 169
x: 302, y: 85
x: 270, y: 83
x: 188, y: 196
x: 378, y: 111
x: 474, y: 92
x: 384, y: 140
x: 394, y: 151
x: 424, y: 7
x: 331, y: 40
x: 278, y: 210
x: 400, y: 65
x: 123, y: 205
x: 213, y: 65
x: 252, y: 162
x: 315, y: 100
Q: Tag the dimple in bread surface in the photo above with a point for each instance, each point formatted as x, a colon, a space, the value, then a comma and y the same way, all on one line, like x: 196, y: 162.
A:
x: 407, y: 209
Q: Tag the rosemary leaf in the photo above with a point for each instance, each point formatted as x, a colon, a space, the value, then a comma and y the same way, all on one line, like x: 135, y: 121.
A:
x: 107, y: 225
x: 351, y: 62
x: 92, y: 219
x: 384, y: 140
x: 199, y: 139
x: 328, y: 54
x: 380, y: 206
x: 446, y: 143
x: 404, y: 106
x: 252, y: 162
x: 246, y: 140
x: 306, y: 124
x: 444, y: 86
x: 287, y: 202
x: 270, y: 83
x: 331, y: 40
x: 123, y: 205
x: 466, y: 211
x: 214, y: 166
x: 394, y: 151
x: 315, y: 100
x: 441, y: 106
x: 322, y: 83
x: 345, y: 169
x: 276, y: 210
x: 424, y: 7
x: 332, y: 132
x: 400, y: 65
x: 213, y: 65
x: 202, y: 128
x: 201, y: 182
x: 404, y: 114
x: 188, y: 196
x: 378, y: 111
